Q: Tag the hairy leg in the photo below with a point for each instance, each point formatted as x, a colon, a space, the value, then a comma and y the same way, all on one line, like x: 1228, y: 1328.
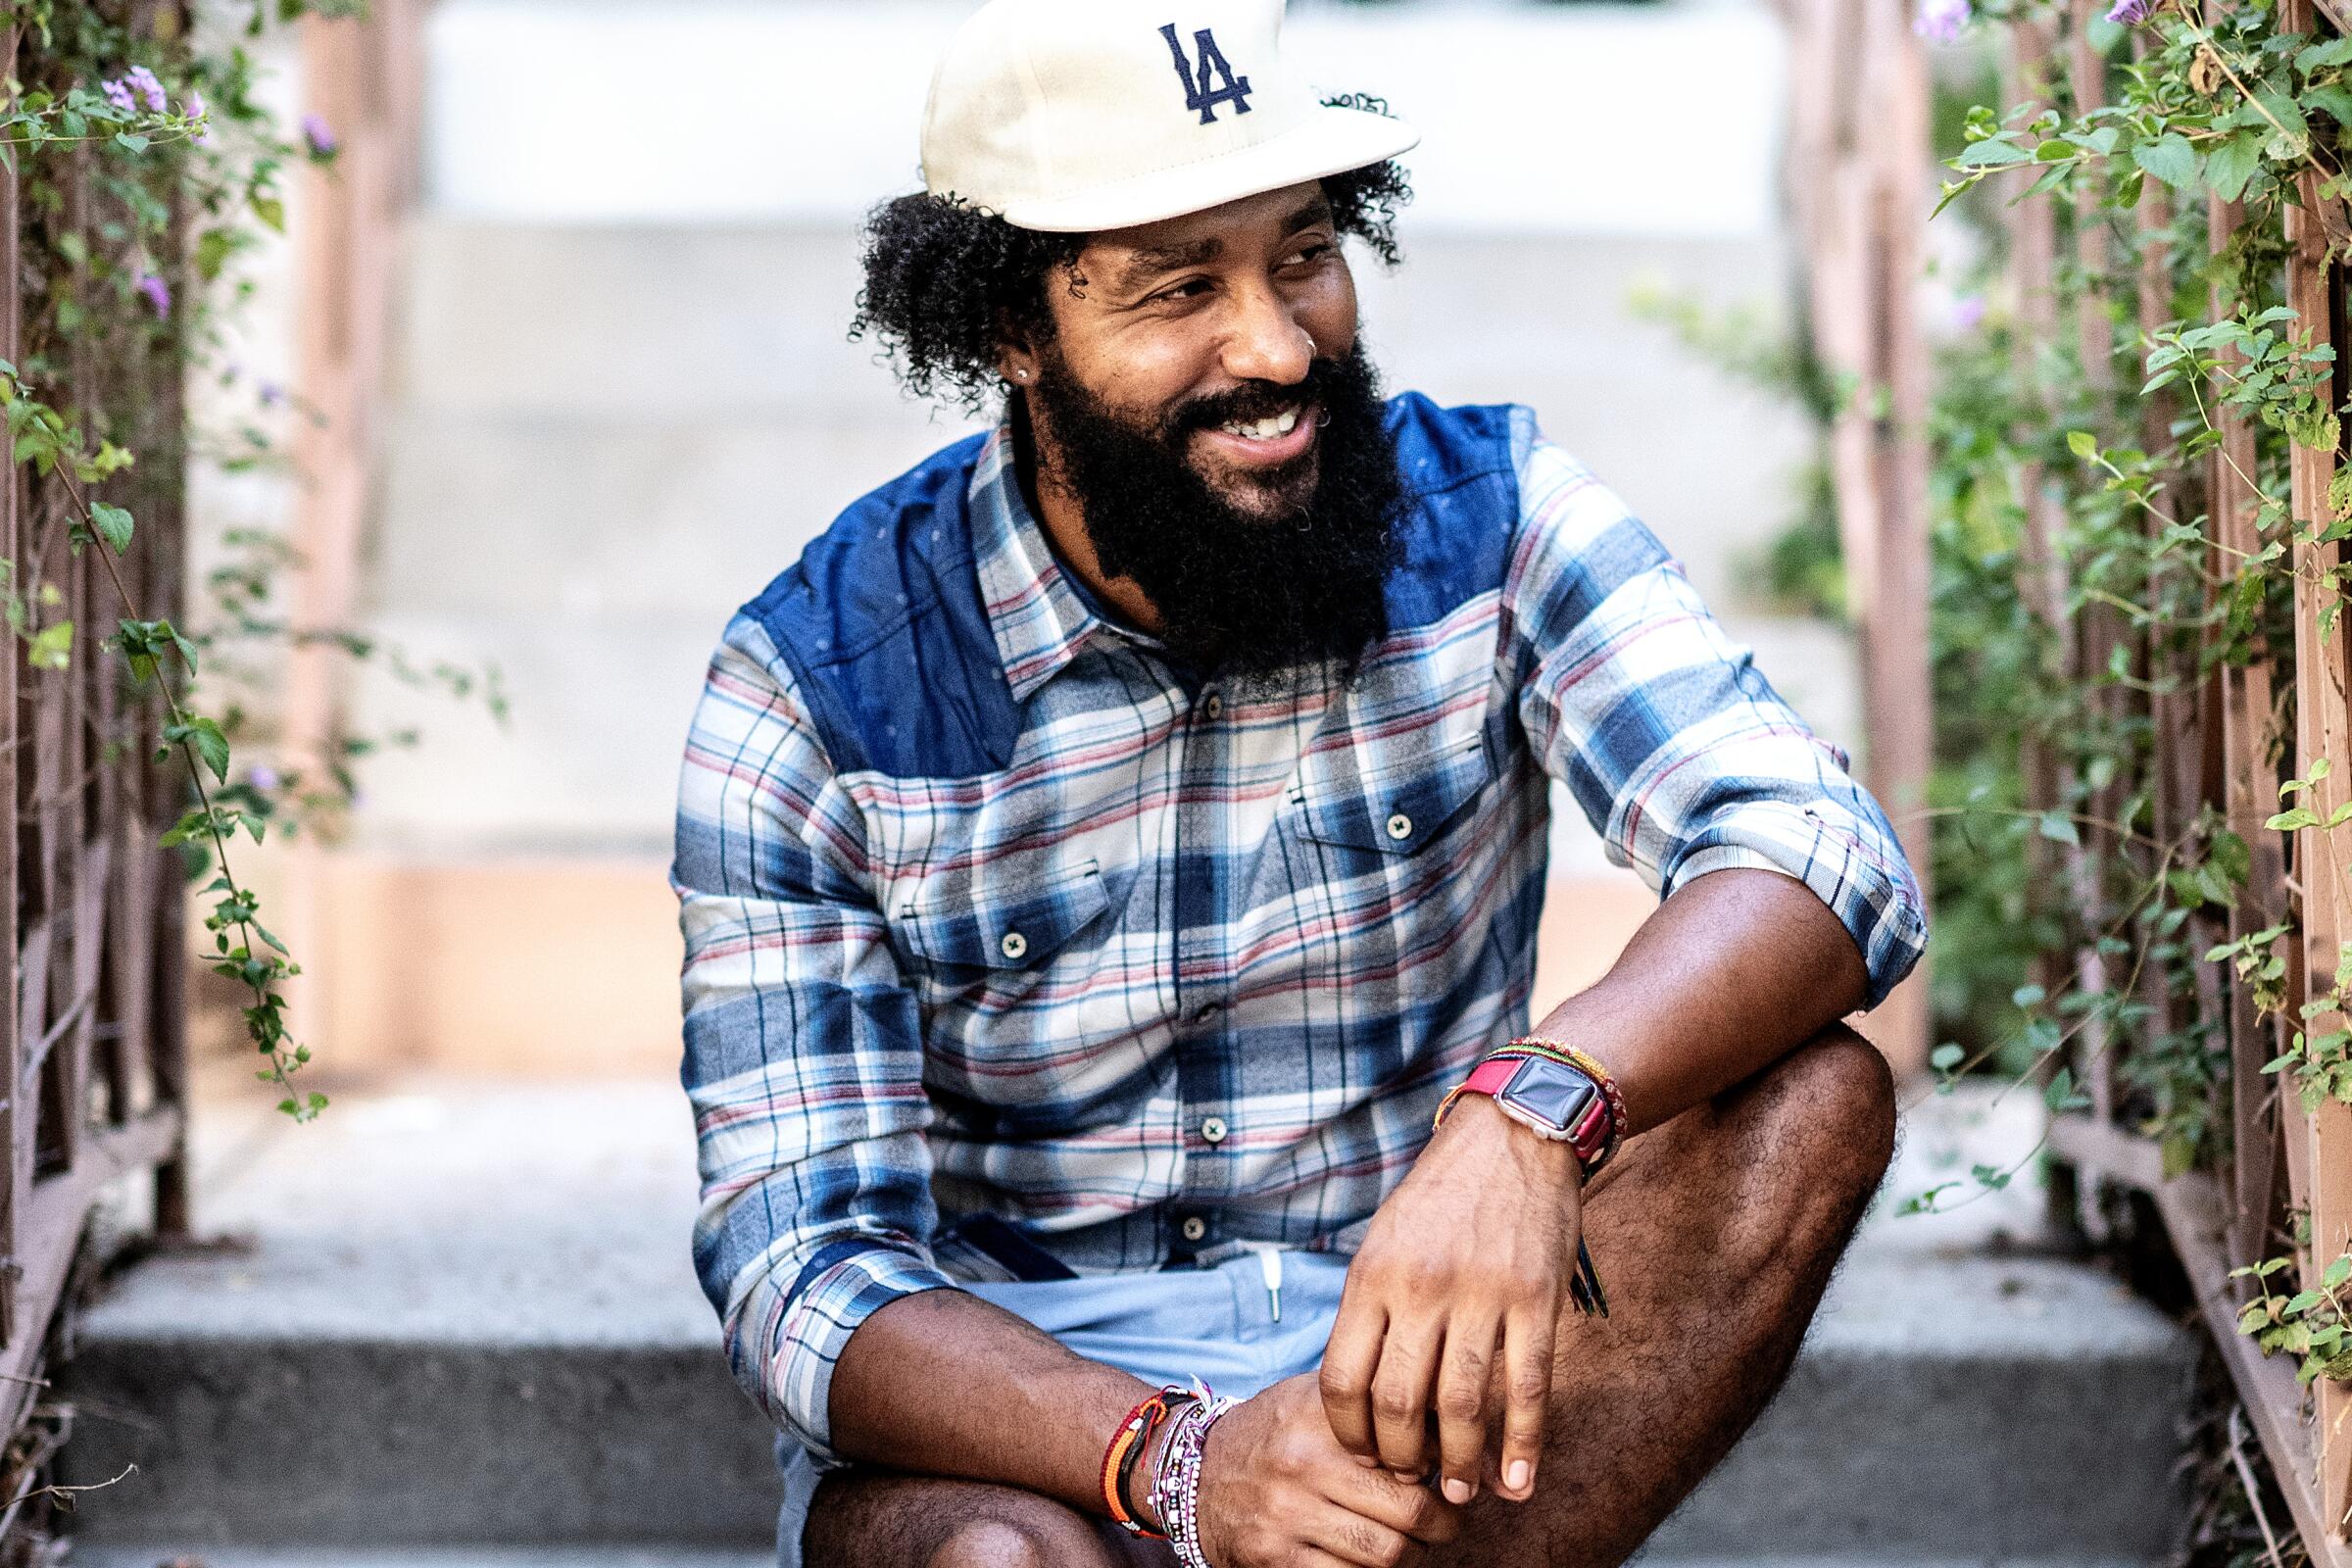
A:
x: 1715, y: 1236
x: 881, y: 1519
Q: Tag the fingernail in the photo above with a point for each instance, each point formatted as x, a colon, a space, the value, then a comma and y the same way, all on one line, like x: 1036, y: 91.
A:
x: 1458, y: 1492
x: 1519, y: 1475
x: 1368, y: 1461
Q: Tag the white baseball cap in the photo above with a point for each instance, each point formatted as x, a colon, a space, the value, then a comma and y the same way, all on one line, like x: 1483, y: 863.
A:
x: 1072, y: 116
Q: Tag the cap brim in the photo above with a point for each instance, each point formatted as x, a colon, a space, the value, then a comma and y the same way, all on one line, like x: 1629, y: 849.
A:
x: 1330, y: 141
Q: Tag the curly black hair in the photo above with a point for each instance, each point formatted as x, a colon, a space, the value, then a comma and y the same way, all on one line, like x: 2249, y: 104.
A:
x: 943, y: 280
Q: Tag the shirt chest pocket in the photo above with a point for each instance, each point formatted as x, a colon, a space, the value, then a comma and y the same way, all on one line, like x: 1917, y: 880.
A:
x: 968, y: 929
x: 1395, y: 810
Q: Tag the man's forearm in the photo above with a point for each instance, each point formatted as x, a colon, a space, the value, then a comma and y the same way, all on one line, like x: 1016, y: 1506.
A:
x: 1736, y: 970
x: 945, y: 1384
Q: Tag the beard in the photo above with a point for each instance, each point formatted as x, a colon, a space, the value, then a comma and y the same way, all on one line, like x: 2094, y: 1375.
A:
x: 1246, y: 594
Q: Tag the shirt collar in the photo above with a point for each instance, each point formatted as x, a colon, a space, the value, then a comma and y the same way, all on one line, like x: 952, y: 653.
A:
x: 1037, y: 612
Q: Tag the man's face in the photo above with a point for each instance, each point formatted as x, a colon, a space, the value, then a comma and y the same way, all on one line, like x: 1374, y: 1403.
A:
x: 1205, y: 402
x: 1201, y: 330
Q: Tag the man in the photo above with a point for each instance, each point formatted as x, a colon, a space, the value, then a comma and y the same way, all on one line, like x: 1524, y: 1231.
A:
x: 1108, y: 847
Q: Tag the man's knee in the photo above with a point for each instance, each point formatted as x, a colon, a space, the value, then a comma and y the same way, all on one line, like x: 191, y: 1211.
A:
x: 1045, y: 1537
x: 1830, y: 1109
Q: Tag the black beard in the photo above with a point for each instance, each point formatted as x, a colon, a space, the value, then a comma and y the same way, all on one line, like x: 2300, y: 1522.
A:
x: 1246, y: 597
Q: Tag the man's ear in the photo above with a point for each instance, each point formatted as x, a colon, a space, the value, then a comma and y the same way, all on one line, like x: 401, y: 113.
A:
x: 1016, y: 355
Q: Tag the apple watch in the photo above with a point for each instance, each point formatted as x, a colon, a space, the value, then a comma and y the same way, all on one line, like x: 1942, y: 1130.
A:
x: 1556, y: 1093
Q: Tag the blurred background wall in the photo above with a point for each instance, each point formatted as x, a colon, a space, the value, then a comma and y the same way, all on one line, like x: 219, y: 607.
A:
x: 623, y: 398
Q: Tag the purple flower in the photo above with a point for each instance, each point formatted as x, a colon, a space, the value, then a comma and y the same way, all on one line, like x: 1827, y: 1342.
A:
x: 272, y: 394
x: 2131, y: 13
x: 1966, y: 311
x: 320, y: 134
x: 158, y: 292
x: 1941, y: 20
x: 118, y: 94
x: 201, y: 113
x: 261, y: 777
x: 142, y: 81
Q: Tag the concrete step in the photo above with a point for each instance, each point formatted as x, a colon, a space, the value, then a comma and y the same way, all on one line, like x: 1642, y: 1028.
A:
x: 466, y: 1317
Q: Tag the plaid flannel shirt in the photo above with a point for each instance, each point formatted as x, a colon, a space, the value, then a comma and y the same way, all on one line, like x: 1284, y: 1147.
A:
x: 1189, y: 971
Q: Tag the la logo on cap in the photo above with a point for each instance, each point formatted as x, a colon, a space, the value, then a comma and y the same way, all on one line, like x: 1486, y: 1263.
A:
x: 1197, y: 92
x: 1059, y: 115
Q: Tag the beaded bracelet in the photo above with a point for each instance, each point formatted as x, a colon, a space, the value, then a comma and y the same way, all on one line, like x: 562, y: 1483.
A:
x: 1176, y: 1494
x: 1133, y: 1436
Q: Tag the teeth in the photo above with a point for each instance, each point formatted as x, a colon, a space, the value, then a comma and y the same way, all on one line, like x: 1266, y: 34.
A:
x: 1266, y: 429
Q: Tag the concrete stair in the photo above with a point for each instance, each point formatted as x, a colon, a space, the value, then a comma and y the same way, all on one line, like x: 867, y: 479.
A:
x: 458, y: 1320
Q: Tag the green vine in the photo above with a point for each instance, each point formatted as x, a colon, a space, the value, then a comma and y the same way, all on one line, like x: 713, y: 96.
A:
x: 149, y: 171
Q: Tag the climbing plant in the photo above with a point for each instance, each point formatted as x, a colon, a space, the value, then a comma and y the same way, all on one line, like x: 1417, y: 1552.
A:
x: 149, y: 175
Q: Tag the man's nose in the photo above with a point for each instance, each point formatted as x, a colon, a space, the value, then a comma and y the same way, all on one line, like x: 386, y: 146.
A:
x: 1267, y: 342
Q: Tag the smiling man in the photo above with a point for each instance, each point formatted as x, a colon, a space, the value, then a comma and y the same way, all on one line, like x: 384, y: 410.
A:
x: 1109, y: 863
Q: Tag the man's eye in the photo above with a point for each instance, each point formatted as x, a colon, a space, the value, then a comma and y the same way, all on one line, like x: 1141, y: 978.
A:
x: 1305, y: 254
x: 1191, y: 289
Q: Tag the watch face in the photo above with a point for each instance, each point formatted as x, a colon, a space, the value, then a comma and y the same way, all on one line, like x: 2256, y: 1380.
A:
x: 1551, y: 1092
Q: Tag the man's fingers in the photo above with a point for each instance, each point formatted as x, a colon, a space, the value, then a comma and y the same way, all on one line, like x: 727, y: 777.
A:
x: 1418, y: 1510
x: 1400, y: 1397
x: 1350, y: 1538
x: 1349, y: 1359
x: 1529, y: 1346
x: 1463, y: 1373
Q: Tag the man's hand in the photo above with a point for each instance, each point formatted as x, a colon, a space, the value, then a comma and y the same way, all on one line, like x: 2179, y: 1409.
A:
x: 1278, y: 1492
x: 1462, y: 1274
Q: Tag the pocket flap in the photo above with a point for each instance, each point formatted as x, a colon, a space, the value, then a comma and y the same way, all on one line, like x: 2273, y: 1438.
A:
x: 1014, y: 931
x: 1394, y: 813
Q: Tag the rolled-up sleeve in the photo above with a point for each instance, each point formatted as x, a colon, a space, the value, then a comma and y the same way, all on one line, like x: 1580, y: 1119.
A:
x: 803, y: 1049
x: 1676, y: 748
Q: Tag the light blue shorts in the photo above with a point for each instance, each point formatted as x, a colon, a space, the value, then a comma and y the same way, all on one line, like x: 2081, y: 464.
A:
x: 1216, y: 1324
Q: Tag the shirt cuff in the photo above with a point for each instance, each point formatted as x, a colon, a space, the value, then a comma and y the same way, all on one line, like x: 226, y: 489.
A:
x: 1863, y: 878
x: 791, y: 1332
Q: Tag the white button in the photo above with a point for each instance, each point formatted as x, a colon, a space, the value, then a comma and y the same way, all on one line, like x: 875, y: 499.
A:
x: 1401, y: 826
x: 1013, y: 945
x: 1212, y: 1130
x: 1214, y: 706
x: 1194, y: 1227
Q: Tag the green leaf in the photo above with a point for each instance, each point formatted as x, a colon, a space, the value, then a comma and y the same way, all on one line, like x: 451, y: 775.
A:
x: 2082, y: 444
x: 2231, y: 165
x: 1946, y: 1056
x: 2170, y: 158
x: 130, y: 142
x: 2338, y: 1272
x: 1993, y: 154
x: 210, y: 745
x: 52, y: 648
x: 113, y: 524
x: 2058, y: 827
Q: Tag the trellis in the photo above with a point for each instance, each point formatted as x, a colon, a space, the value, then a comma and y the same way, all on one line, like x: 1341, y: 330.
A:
x: 93, y: 1058
x: 1862, y: 160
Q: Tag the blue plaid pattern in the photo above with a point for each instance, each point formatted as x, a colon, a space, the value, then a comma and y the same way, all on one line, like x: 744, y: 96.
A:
x: 1190, y: 969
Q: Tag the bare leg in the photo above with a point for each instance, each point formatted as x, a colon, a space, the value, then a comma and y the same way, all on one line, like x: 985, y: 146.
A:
x: 879, y: 1519
x: 1715, y: 1235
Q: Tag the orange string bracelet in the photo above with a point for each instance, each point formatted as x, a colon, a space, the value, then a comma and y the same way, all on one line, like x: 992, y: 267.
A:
x: 1132, y: 1437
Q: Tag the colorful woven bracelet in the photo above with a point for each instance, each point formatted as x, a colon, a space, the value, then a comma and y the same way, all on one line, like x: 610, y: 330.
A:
x: 1133, y: 1436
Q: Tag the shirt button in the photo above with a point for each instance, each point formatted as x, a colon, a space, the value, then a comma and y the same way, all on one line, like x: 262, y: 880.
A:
x: 1214, y: 706
x: 1212, y: 1130
x: 1193, y: 1227
x: 1013, y: 945
x: 1401, y: 826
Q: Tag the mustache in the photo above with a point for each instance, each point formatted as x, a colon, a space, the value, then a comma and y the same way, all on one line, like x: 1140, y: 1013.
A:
x: 1253, y: 401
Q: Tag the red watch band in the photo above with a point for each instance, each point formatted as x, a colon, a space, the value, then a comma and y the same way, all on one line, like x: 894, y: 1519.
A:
x: 1489, y: 1075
